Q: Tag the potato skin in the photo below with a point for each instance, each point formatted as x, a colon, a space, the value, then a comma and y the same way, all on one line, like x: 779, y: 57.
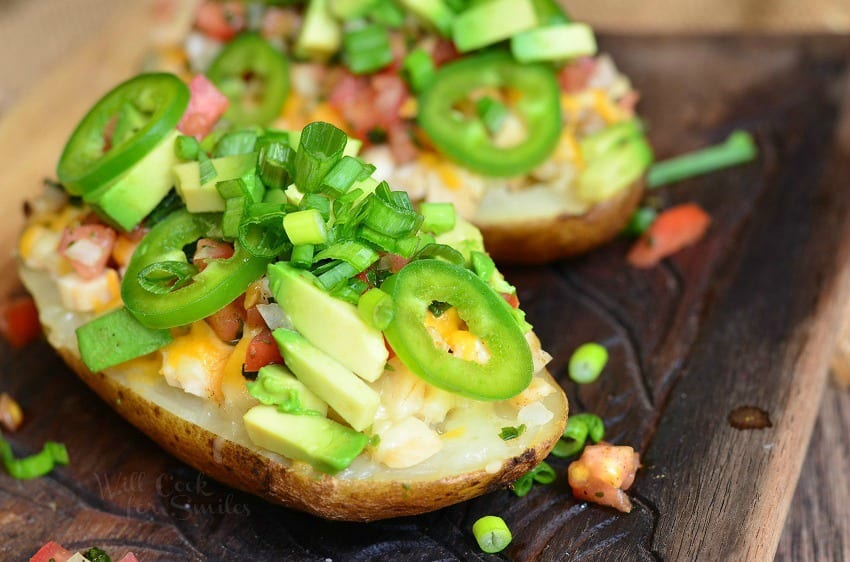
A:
x: 541, y: 241
x: 298, y: 486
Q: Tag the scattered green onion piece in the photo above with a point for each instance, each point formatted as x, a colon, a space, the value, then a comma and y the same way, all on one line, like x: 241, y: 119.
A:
x: 359, y: 256
x: 492, y: 113
x: 343, y: 175
x: 418, y: 68
x: 163, y: 277
x: 186, y: 147
x: 437, y: 217
x: 338, y: 273
x: 737, y: 149
x: 482, y: 265
x: 321, y: 148
x: 208, y: 172
x: 302, y: 256
x: 492, y: 534
x: 35, y: 465
x: 511, y: 432
x: 260, y: 231
x: 376, y: 308
x: 441, y: 251
x: 305, y: 227
x: 235, y: 142
x: 367, y: 49
x: 234, y: 210
x: 575, y: 435
x: 587, y: 362
x: 523, y: 485
x: 544, y: 474
x: 275, y: 162
x: 95, y: 554
x: 640, y: 221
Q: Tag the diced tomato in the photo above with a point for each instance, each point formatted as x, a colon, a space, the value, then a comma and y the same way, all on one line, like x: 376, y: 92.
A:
x: 220, y: 20
x: 401, y: 145
x: 392, y: 262
x: 629, y: 101
x: 210, y: 249
x: 262, y: 351
x: 87, y: 248
x: 369, y: 103
x: 51, y: 551
x: 129, y: 557
x: 444, y: 51
x: 390, y: 93
x: 206, y: 106
x: 575, y: 76
x: 19, y: 322
x: 674, y: 229
x: 227, y: 323
x: 253, y: 318
x: 512, y: 299
x: 602, y: 474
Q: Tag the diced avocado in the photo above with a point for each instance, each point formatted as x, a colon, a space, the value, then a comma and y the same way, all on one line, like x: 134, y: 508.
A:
x: 320, y: 35
x: 133, y: 195
x: 328, y: 446
x: 350, y: 9
x: 490, y: 22
x: 434, y: 12
x: 555, y: 42
x: 332, y: 325
x: 276, y: 386
x: 464, y: 237
x: 206, y: 198
x: 117, y: 337
x: 614, y: 170
x: 594, y: 145
x: 347, y: 394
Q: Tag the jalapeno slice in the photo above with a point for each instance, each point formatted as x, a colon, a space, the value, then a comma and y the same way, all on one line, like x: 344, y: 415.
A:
x: 509, y: 367
x: 466, y: 139
x: 194, y: 296
x: 121, y: 129
x: 255, y: 78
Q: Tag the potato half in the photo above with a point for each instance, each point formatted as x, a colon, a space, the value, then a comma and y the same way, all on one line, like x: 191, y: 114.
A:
x: 537, y: 227
x: 205, y: 437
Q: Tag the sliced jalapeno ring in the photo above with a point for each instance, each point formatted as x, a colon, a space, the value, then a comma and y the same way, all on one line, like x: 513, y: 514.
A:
x: 210, y: 290
x: 140, y: 112
x: 509, y: 367
x: 255, y: 78
x: 466, y: 139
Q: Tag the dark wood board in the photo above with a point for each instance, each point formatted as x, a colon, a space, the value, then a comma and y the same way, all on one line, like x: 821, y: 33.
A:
x: 746, y: 317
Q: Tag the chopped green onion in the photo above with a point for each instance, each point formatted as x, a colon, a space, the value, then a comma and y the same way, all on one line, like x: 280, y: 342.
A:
x: 305, y: 227
x: 276, y: 196
x: 406, y: 247
x: 387, y: 13
x: 376, y: 308
x: 391, y: 212
x: 523, y: 485
x: 338, y: 273
x: 208, y: 142
x: 575, y: 435
x: 418, y: 68
x: 437, y: 217
x: 234, y: 210
x: 511, y: 432
x: 492, y: 534
x: 321, y: 148
x: 350, y: 290
x: 260, y: 231
x: 542, y: 474
x: 640, y: 221
x: 482, y: 265
x: 163, y: 277
x: 367, y: 49
x: 343, y: 175
x: 35, y: 465
x: 317, y: 201
x: 737, y: 149
x: 587, y: 362
x: 235, y: 142
x: 95, y: 554
x: 186, y: 147
x: 358, y: 255
x: 208, y: 172
x: 248, y: 187
x: 302, y: 256
x: 492, y: 113
x: 441, y: 251
x: 275, y: 162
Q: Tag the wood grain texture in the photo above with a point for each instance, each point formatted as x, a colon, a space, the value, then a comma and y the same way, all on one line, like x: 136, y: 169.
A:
x: 745, y: 317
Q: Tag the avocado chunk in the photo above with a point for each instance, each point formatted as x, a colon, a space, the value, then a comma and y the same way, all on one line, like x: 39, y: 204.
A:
x: 320, y: 35
x: 332, y: 325
x: 433, y: 12
x: 130, y: 198
x: 206, y: 198
x: 555, y: 42
x: 490, y: 22
x: 276, y: 386
x: 348, y: 395
x: 117, y: 337
x: 328, y: 446
x: 464, y: 237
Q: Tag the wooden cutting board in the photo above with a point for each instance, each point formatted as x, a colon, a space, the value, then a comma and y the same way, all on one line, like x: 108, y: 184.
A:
x: 745, y: 318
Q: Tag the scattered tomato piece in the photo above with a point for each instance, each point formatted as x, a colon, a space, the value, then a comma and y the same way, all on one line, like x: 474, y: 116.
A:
x: 602, y: 474
x: 206, y: 106
x: 19, y: 322
x: 51, y: 551
x: 262, y: 351
x: 220, y: 20
x: 674, y: 229
x: 87, y: 248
